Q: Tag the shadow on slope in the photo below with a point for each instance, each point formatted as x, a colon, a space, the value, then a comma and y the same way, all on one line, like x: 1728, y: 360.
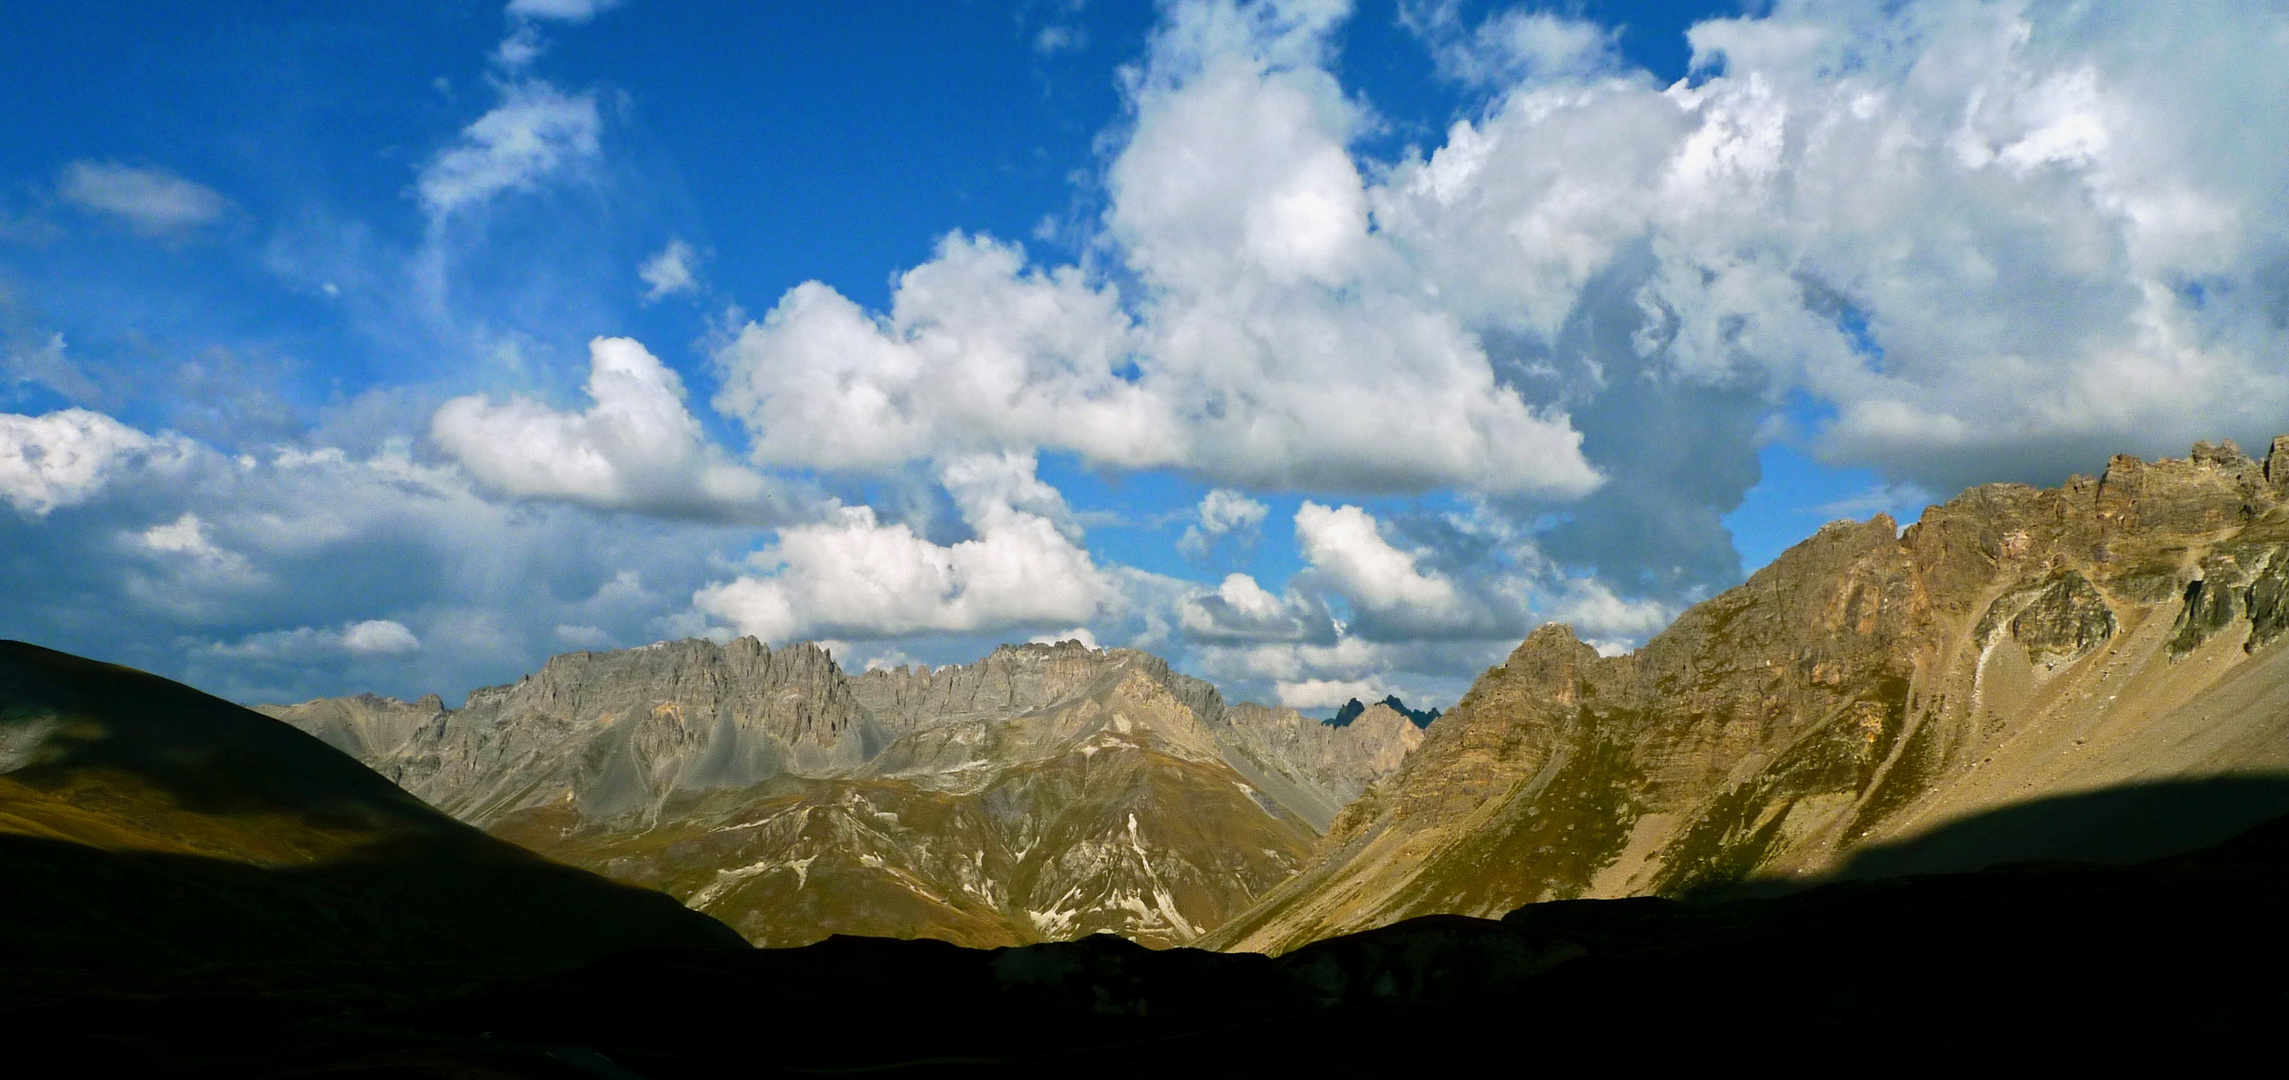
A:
x: 68, y: 905
x: 2175, y: 960
x: 2118, y: 825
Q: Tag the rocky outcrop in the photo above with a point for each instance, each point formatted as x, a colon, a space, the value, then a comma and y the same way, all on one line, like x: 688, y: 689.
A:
x: 1043, y: 793
x: 366, y: 727
x: 1871, y: 686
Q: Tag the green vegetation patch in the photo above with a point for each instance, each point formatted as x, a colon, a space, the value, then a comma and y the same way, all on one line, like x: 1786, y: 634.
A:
x: 1739, y: 831
x: 1550, y: 846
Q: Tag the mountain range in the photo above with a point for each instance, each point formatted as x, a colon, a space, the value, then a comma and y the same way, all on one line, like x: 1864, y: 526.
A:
x: 1044, y: 793
x: 1872, y: 685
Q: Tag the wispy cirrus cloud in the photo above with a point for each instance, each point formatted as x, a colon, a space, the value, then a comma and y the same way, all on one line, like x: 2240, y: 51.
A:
x: 573, y: 11
x: 536, y: 132
x: 675, y: 269
x: 152, y: 200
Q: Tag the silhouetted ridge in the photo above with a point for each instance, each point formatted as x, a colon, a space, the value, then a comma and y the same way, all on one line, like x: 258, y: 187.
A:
x: 1351, y: 709
x: 2173, y: 962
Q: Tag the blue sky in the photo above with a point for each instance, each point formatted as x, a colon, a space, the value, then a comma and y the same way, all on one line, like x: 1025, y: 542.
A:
x: 1324, y: 348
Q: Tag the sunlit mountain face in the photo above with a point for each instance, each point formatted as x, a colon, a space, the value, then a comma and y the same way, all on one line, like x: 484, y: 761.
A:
x: 1324, y: 349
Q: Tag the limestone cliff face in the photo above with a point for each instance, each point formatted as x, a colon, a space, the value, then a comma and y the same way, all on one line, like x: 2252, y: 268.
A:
x: 1010, y: 680
x: 613, y: 732
x: 1857, y: 707
x: 1043, y: 793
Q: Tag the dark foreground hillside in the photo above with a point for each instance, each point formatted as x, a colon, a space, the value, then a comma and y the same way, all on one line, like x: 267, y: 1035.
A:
x: 2175, y: 962
x: 146, y: 825
x: 188, y: 888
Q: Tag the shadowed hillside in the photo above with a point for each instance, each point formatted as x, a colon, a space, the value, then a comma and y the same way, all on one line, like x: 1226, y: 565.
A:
x: 143, y: 823
x: 2174, y: 963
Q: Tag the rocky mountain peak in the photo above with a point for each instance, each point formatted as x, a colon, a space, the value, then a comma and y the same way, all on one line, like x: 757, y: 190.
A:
x: 1013, y: 679
x: 1869, y: 686
x: 1381, y: 715
x: 1311, y: 767
x: 1354, y: 708
x: 1551, y: 656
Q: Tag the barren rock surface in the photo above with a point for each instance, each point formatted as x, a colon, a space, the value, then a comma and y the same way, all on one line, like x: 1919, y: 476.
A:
x: 1315, y: 768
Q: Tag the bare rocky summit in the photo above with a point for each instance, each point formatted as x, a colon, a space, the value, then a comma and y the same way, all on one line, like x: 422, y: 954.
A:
x: 1043, y: 793
x: 2091, y: 672
x: 613, y: 733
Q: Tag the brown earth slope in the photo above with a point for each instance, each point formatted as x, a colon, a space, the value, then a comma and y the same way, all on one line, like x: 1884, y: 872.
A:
x: 1853, y: 705
x: 1043, y: 793
x: 143, y: 823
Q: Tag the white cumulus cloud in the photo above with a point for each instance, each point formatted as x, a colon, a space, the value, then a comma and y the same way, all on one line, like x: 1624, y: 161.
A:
x: 1347, y: 550
x: 1224, y: 518
x: 62, y: 458
x: 853, y: 575
x: 977, y: 354
x: 366, y: 638
x: 1982, y: 240
x: 1513, y: 46
x: 2000, y: 239
x: 1239, y: 609
x: 1277, y: 340
x: 379, y: 637
x: 636, y: 447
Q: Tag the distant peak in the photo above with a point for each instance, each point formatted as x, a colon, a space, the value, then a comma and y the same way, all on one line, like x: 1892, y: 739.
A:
x: 1353, y: 708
